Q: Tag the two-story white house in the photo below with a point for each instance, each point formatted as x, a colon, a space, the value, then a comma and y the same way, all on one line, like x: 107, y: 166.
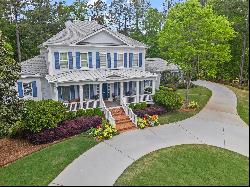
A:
x: 86, y: 65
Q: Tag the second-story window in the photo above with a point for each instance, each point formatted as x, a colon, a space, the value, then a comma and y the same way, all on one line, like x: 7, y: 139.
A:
x: 103, y: 59
x: 120, y: 60
x: 136, y: 60
x: 84, y: 60
x: 63, y: 60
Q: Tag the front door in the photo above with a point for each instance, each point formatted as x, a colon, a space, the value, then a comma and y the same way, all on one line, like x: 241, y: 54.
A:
x: 105, y: 91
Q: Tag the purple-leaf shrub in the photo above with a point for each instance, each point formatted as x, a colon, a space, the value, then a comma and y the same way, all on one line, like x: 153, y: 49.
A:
x: 64, y: 129
x: 153, y: 110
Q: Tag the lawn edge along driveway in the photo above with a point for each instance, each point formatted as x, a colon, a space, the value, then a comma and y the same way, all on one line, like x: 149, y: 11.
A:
x: 41, y: 167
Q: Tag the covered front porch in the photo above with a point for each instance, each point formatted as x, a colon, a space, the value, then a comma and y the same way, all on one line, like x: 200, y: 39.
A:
x: 91, y: 89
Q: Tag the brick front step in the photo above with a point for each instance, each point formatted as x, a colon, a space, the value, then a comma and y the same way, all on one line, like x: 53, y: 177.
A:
x: 123, y: 122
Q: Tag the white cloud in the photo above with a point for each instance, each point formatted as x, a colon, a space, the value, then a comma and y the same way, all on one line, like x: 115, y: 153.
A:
x: 91, y: 2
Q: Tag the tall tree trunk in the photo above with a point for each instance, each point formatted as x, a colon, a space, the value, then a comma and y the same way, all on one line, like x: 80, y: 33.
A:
x: 17, y: 35
x: 188, y: 82
x: 243, y: 53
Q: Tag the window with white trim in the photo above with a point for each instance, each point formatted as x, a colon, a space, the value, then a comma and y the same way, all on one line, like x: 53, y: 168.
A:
x: 84, y: 60
x: 136, y: 60
x: 103, y: 60
x: 64, y: 60
x: 119, y: 60
x: 27, y: 89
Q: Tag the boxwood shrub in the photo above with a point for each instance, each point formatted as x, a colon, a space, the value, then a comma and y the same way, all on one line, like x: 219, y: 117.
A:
x: 45, y: 114
x: 170, y: 100
x: 141, y: 105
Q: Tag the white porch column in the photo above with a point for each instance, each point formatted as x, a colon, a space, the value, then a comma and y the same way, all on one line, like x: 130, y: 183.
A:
x: 153, y: 86
x: 121, y: 91
x: 55, y: 90
x: 81, y: 95
x: 100, y: 93
x: 76, y: 92
x: 137, y: 91
x: 111, y: 91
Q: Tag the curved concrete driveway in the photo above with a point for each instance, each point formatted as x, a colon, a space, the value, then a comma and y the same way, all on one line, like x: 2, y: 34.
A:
x: 217, y: 124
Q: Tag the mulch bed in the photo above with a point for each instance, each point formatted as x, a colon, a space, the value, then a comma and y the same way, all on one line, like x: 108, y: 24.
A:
x: 13, y: 149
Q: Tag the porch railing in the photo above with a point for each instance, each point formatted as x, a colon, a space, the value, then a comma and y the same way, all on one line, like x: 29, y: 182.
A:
x: 74, y: 106
x: 107, y: 113
x: 148, y: 98
x: 129, y: 112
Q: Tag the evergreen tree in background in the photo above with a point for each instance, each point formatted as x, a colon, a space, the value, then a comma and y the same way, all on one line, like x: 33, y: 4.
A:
x: 10, y: 105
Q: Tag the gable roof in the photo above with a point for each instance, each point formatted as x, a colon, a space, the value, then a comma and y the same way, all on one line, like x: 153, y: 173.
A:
x: 159, y: 65
x: 34, y: 66
x: 78, y: 30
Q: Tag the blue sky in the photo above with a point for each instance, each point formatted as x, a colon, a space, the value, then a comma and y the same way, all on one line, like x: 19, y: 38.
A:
x: 154, y: 3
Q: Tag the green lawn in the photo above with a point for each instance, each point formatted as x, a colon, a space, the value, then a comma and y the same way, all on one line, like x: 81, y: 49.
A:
x: 198, y: 94
x: 242, y: 103
x: 41, y: 167
x: 188, y: 165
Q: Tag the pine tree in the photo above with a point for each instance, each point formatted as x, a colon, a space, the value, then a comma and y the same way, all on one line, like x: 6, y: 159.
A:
x: 98, y: 11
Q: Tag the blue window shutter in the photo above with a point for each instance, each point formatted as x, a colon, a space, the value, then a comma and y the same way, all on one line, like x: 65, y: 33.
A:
x: 115, y: 60
x: 20, y: 89
x: 70, y: 60
x: 140, y: 59
x: 59, y: 90
x: 90, y: 60
x: 34, y: 89
x: 131, y: 60
x: 140, y: 88
x: 92, y: 91
x: 125, y: 60
x: 130, y: 86
x: 125, y: 87
x: 98, y: 60
x: 78, y: 62
x: 72, y: 92
x: 109, y: 60
x: 115, y: 87
x: 57, y: 63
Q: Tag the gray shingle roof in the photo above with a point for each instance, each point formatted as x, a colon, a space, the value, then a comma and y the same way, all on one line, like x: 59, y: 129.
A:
x: 99, y: 75
x: 159, y: 65
x: 77, y: 30
x: 34, y: 66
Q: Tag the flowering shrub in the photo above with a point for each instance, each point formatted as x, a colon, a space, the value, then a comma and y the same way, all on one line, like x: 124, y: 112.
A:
x: 147, y: 121
x: 154, y: 110
x: 141, y: 123
x: 193, y: 105
x: 64, y: 129
x: 104, y: 131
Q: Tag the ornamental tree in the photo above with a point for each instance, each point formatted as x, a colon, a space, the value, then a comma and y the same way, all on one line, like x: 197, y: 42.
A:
x: 10, y: 106
x: 196, y: 39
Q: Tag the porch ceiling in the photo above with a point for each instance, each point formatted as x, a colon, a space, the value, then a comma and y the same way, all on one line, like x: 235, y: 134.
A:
x: 100, y: 75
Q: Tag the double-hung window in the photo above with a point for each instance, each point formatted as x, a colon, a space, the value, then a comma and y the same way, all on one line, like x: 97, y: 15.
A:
x: 103, y: 60
x: 120, y: 60
x: 136, y: 60
x: 27, y: 89
x: 64, y: 60
x: 84, y: 60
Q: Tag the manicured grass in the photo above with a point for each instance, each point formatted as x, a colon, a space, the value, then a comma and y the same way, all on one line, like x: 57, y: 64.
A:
x: 198, y: 94
x: 40, y: 168
x: 242, y: 103
x: 188, y: 165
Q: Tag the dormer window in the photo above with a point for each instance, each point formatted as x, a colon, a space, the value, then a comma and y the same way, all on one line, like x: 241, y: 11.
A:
x: 136, y: 60
x: 84, y: 60
x: 64, y: 60
x: 103, y: 60
x: 120, y: 60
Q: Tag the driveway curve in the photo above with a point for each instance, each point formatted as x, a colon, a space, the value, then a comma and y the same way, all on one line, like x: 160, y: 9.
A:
x: 218, y: 124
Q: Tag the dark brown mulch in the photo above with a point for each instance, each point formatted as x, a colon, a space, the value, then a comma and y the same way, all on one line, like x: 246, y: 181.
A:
x: 13, y: 149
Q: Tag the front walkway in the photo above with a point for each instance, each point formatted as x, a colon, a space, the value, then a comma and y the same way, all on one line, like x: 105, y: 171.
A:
x: 217, y: 124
